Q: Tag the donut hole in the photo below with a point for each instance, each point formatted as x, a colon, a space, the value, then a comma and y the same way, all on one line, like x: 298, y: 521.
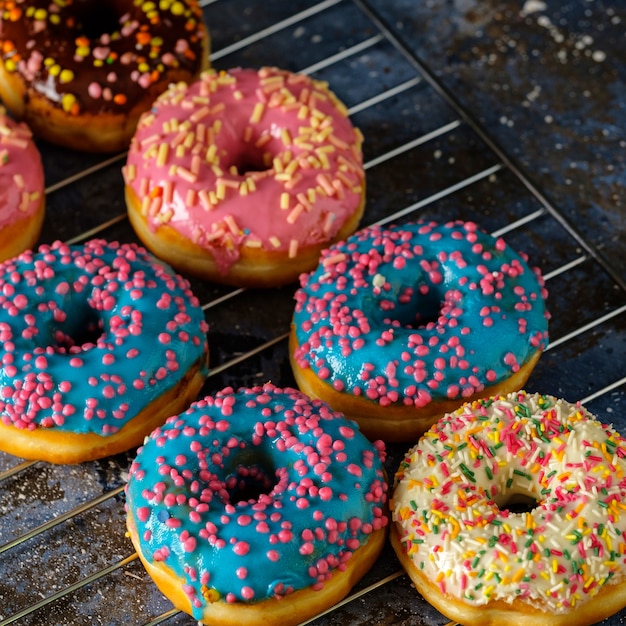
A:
x: 428, y: 312
x: 518, y: 503
x: 78, y: 339
x: 415, y: 308
x: 75, y: 331
x: 96, y: 19
x: 248, y: 483
x: 250, y: 160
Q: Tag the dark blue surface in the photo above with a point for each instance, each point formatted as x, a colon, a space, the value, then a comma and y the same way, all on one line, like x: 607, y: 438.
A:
x: 517, y: 114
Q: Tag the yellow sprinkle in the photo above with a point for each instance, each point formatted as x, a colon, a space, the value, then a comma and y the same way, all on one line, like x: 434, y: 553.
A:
x: 211, y: 153
x: 178, y: 8
x: 257, y: 113
x: 162, y: 154
x: 284, y: 200
x: 291, y: 167
x: 68, y: 102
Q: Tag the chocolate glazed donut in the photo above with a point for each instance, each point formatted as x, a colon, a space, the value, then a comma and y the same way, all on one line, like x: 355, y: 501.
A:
x: 81, y: 72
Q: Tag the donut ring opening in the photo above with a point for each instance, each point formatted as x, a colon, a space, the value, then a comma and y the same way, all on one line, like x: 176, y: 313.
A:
x: 248, y: 483
x: 93, y: 20
x: 424, y: 306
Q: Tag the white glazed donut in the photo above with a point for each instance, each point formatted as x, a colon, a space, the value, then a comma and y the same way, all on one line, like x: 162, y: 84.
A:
x: 562, y: 562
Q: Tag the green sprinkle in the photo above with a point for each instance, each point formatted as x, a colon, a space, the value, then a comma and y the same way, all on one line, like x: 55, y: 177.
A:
x: 467, y: 472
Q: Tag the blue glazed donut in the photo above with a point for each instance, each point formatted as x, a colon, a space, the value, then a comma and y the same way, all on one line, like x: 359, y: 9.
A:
x: 400, y: 325
x: 99, y: 344
x: 257, y: 506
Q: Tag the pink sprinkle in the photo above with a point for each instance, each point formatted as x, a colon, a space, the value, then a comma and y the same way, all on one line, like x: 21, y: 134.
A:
x: 354, y: 469
x: 94, y: 90
x: 143, y: 513
x: 326, y: 494
x: 247, y: 593
x: 241, y: 548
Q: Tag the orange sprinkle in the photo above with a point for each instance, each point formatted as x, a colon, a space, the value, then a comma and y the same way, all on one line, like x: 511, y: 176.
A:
x: 143, y: 38
x: 119, y: 98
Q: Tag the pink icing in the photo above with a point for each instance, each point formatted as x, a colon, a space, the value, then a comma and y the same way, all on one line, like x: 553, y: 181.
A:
x: 21, y: 172
x: 266, y: 159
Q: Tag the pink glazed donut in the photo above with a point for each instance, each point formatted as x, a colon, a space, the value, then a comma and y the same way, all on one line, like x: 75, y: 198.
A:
x: 22, y: 198
x: 243, y: 177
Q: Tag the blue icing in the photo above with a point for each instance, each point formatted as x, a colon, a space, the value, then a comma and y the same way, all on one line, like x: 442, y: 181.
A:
x: 90, y: 335
x: 252, y: 494
x: 419, y: 312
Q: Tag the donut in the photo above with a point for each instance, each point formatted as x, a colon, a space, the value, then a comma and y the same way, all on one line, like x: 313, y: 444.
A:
x: 99, y: 344
x: 244, y: 176
x: 510, y: 510
x: 22, y: 196
x: 81, y: 72
x: 400, y: 325
x: 257, y: 506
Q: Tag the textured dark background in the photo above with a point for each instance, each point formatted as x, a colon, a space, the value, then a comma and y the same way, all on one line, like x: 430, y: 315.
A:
x: 508, y: 113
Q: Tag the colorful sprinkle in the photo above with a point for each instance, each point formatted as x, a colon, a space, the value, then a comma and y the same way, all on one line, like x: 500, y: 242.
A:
x: 558, y: 553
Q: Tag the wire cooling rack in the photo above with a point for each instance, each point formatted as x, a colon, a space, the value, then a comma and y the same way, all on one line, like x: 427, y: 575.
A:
x: 64, y: 556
